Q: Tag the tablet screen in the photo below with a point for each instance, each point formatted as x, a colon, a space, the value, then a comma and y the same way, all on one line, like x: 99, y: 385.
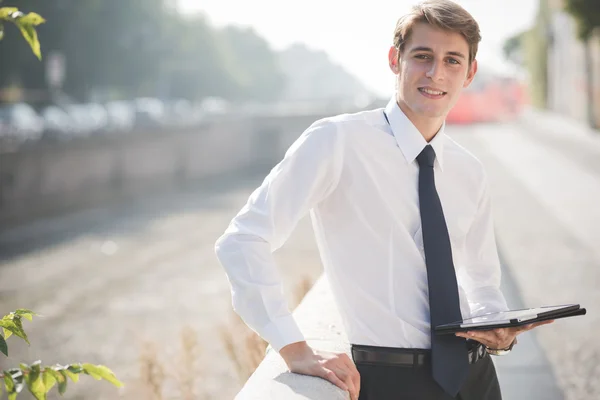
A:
x: 493, y: 318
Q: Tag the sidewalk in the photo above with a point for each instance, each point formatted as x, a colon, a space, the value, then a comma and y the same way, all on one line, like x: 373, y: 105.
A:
x: 557, y: 124
x: 525, y: 373
x: 544, y: 175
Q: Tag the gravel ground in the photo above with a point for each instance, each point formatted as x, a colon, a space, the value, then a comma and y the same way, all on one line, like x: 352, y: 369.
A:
x: 112, y: 284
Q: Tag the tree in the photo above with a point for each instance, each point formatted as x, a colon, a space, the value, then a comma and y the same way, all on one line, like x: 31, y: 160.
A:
x: 257, y: 68
x: 198, y: 62
x: 530, y: 50
x: 513, y: 48
x: 587, y: 15
x: 141, y: 48
x: 39, y: 379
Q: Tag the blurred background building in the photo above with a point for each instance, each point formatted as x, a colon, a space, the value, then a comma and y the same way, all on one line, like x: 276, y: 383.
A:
x: 561, y: 53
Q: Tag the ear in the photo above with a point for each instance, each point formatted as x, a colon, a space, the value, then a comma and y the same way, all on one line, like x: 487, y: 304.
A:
x: 393, y: 59
x: 471, y: 74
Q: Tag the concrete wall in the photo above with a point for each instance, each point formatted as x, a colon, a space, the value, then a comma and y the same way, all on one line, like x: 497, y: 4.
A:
x: 323, y: 331
x: 46, y: 179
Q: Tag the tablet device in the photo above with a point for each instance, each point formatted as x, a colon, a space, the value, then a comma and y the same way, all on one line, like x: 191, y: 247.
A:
x: 511, y: 318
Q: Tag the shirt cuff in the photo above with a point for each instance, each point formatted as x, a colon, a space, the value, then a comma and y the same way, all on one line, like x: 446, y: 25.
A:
x: 281, y: 332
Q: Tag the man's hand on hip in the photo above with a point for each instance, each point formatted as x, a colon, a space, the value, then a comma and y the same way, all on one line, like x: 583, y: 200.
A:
x: 500, y: 338
x: 338, y: 369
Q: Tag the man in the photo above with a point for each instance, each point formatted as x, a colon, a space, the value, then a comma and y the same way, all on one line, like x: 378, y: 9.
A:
x: 403, y: 221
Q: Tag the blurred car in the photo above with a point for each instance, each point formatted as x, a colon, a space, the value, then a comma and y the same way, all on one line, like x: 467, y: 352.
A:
x: 58, y: 125
x: 19, y: 124
x: 214, y: 105
x: 181, y: 113
x: 120, y: 116
x: 492, y: 99
x: 81, y: 118
x: 150, y: 113
x: 89, y: 118
x: 98, y: 115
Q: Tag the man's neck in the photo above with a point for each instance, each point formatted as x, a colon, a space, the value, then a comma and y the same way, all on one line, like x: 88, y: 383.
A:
x: 428, y: 127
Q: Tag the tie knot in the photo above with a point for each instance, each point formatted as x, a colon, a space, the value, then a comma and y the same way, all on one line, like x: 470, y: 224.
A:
x: 427, y: 157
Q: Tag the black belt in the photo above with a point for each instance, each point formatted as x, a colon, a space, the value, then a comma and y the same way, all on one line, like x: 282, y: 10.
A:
x: 375, y: 355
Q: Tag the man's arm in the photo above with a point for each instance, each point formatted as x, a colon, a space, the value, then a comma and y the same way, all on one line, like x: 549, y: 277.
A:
x: 307, y: 174
x: 483, y: 271
x: 483, y: 280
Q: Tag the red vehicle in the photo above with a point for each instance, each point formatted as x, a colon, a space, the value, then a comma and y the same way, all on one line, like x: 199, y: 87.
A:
x: 490, y: 99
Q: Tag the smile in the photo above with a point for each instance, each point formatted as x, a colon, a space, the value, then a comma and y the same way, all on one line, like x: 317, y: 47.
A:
x: 432, y: 93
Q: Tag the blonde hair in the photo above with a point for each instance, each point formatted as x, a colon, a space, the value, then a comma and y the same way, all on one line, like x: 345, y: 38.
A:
x: 442, y: 14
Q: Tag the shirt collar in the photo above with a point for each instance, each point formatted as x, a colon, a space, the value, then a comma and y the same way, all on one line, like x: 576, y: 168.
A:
x: 408, y: 137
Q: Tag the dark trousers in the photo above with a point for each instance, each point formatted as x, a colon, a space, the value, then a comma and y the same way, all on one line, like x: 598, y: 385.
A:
x: 384, y: 382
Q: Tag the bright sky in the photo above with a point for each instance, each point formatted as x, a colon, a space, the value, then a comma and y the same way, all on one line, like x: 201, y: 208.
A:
x: 358, y: 34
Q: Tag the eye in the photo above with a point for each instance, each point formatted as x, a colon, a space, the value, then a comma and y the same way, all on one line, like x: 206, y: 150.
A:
x: 453, y: 61
x: 423, y: 56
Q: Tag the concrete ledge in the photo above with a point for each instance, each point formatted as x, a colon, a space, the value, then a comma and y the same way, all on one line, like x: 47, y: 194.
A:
x: 324, y: 331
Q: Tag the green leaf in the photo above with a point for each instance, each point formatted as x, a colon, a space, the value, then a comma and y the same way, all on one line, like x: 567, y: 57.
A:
x: 62, y: 383
x: 13, y: 326
x: 91, y: 371
x: 32, y: 19
x: 21, y: 332
x: 6, y: 11
x: 30, y: 35
x: 28, y: 314
x: 6, y: 332
x: 49, y: 378
x: 19, y: 311
x: 8, y: 382
x: 102, y: 372
x: 72, y: 372
x: 34, y: 380
x: 75, y: 368
x: 3, y: 346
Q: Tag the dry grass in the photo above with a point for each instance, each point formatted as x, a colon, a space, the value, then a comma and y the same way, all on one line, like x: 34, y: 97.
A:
x: 244, y: 347
x: 183, y: 371
x: 188, y: 368
x: 152, y: 373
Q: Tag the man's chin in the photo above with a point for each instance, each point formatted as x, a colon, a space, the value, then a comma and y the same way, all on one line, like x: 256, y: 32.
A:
x: 433, y: 113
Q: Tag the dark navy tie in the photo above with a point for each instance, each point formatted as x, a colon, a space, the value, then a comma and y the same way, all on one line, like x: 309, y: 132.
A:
x: 450, y: 360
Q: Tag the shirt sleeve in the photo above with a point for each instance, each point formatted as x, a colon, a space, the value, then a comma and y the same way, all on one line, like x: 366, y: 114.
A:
x: 307, y: 174
x: 483, y: 270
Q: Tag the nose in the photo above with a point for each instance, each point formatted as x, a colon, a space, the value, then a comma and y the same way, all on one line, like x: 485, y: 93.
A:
x: 435, y: 71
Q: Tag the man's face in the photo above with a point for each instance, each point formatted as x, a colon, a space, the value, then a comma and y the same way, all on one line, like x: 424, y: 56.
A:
x: 432, y: 70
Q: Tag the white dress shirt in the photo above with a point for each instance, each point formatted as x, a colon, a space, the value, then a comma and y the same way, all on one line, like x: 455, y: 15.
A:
x: 357, y: 175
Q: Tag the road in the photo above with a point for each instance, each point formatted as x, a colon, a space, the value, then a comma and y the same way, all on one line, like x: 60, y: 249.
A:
x: 114, y: 283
